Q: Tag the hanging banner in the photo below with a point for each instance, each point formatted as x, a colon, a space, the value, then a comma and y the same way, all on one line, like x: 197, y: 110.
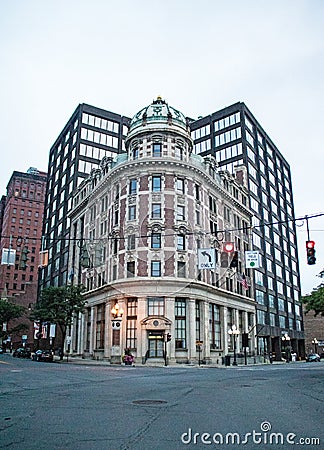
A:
x: 8, y: 256
x: 52, y: 330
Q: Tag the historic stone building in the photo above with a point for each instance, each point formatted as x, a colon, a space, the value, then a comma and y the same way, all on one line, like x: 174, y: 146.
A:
x: 148, y: 230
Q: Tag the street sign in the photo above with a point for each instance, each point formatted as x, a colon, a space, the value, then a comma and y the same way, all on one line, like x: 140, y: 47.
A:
x: 206, y: 258
x: 252, y: 259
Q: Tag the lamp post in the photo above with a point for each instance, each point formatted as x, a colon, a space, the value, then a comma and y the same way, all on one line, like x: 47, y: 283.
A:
x: 315, y: 342
x: 286, y: 340
x: 233, y: 331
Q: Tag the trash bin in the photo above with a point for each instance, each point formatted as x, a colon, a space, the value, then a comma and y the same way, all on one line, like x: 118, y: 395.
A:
x: 227, y: 360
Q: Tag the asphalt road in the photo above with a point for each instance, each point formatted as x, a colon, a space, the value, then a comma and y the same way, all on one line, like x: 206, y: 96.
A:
x: 70, y: 406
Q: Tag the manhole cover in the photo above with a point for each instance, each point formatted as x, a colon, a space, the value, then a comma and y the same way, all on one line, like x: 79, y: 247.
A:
x: 148, y: 402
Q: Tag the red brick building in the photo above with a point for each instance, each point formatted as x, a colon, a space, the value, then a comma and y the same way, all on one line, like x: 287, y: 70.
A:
x: 21, y: 231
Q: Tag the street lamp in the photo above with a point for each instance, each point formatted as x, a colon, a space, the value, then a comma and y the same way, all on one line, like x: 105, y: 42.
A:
x: 117, y: 311
x: 315, y: 342
x: 286, y: 340
x: 233, y: 331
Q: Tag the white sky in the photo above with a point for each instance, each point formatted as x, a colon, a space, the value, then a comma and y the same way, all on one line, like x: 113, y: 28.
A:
x: 198, y: 55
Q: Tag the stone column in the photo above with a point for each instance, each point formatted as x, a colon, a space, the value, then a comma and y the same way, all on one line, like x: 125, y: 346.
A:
x: 205, y: 332
x: 92, y: 329
x: 191, y: 331
x: 107, y: 340
x: 170, y: 314
x: 225, y: 329
x: 142, y: 345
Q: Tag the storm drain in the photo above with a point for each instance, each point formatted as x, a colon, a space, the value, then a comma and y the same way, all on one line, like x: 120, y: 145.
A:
x: 149, y: 402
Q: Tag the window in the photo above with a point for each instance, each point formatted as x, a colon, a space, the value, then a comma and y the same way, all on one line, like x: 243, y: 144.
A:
x: 180, y: 212
x: 155, y: 268
x: 214, y: 326
x: 157, y: 150
x: 259, y: 297
x: 135, y: 153
x: 180, y: 185
x: 132, y: 212
x: 181, y: 242
x: 155, y: 306
x: 100, y: 326
x: 130, y: 269
x: 181, y: 269
x: 133, y: 186
x: 131, y: 242
x: 156, y: 240
x: 156, y: 183
x: 156, y: 210
x: 131, y: 323
x: 180, y: 323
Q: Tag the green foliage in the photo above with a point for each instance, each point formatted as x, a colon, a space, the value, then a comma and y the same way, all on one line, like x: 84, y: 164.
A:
x: 9, y: 310
x: 59, y: 304
x: 315, y: 301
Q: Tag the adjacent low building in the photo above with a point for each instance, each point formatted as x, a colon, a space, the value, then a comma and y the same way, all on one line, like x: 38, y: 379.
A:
x: 147, y: 238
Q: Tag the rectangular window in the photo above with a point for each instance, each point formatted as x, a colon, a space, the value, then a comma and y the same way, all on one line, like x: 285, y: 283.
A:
x: 131, y: 242
x: 214, y: 326
x: 180, y: 185
x: 180, y: 212
x: 132, y: 212
x: 180, y: 323
x: 157, y: 150
x: 133, y: 186
x: 155, y: 268
x: 130, y: 269
x: 181, y: 242
x: 131, y: 329
x: 155, y: 306
x: 100, y: 326
x: 156, y: 183
x: 156, y: 211
x: 156, y: 240
x: 181, y: 269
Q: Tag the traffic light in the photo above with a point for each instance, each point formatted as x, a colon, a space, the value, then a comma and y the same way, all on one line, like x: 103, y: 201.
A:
x: 84, y: 257
x: 310, y: 248
x: 23, y: 258
x: 228, y: 247
x: 234, y: 262
x: 168, y: 337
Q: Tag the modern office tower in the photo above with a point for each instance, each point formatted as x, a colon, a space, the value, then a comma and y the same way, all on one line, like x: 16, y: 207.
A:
x: 235, y: 137
x: 147, y: 239
x: 90, y: 134
x: 22, y: 230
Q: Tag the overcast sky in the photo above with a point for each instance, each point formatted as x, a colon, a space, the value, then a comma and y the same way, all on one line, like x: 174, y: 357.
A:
x: 198, y: 55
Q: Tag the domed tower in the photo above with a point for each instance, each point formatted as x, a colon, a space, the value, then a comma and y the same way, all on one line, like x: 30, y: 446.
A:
x: 159, y: 130
x: 147, y: 216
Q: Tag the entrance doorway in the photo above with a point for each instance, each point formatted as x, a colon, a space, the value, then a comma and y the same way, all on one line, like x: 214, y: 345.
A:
x: 155, y: 344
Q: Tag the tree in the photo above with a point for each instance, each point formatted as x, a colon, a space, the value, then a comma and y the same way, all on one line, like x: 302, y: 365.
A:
x: 315, y: 301
x: 8, y: 312
x: 58, y: 305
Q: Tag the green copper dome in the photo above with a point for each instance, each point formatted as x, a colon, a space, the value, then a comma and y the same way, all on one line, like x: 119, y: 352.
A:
x: 158, y: 113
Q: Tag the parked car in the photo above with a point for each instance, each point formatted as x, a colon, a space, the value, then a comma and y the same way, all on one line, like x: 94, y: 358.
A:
x: 313, y: 357
x: 1, y: 350
x: 22, y: 352
x: 43, y: 355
